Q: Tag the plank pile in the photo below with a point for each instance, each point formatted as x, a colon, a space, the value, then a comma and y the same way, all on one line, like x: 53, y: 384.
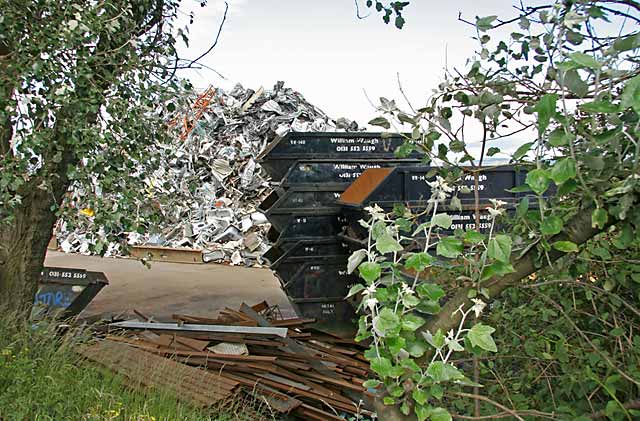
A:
x: 286, y: 363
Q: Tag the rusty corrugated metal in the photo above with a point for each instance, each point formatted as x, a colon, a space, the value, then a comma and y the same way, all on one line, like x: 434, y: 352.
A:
x: 143, y: 369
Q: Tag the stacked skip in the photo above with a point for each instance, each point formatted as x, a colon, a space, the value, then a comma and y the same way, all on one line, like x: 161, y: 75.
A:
x: 386, y: 187
x: 307, y: 255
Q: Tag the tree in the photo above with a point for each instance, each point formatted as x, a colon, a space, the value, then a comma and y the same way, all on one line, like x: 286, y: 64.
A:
x: 567, y: 78
x: 84, y: 88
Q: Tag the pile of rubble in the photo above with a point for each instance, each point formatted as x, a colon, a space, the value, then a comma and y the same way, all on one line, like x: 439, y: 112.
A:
x: 289, y: 366
x: 214, y: 184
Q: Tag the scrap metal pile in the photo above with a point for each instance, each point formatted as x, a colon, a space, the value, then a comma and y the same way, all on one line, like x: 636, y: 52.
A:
x: 287, y: 365
x: 210, y: 185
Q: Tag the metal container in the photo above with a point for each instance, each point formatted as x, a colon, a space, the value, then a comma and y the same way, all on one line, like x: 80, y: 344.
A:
x: 281, y: 153
x: 66, y: 292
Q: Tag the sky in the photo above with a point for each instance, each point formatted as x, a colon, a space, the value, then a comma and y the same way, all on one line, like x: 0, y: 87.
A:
x: 322, y: 50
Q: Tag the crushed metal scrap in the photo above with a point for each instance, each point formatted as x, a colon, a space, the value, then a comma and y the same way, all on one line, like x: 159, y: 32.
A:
x: 210, y: 187
x: 308, y: 373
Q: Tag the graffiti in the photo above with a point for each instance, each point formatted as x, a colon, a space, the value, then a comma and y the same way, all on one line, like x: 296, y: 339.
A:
x: 60, y: 299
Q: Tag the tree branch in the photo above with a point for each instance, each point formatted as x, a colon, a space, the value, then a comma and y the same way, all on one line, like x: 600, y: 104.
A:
x: 578, y: 231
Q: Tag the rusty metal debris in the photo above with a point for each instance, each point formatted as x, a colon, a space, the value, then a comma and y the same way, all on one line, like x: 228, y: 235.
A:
x: 309, y: 373
x: 143, y: 369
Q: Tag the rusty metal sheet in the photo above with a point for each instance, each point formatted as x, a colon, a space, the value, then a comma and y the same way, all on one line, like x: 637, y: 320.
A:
x: 143, y: 369
x: 364, y: 185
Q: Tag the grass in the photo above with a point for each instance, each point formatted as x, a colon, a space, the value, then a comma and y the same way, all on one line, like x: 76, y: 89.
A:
x: 41, y: 378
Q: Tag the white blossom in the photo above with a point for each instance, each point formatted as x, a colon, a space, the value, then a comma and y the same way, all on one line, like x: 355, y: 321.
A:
x: 376, y: 211
x: 439, y: 190
x: 406, y: 289
x: 494, y: 213
x: 497, y: 204
x: 371, y: 303
x: 370, y: 290
x: 478, y: 306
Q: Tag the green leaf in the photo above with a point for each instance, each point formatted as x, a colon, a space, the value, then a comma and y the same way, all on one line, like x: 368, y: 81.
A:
x: 440, y: 371
x: 422, y: 412
x: 484, y: 24
x: 551, y: 225
x: 369, y: 271
x: 496, y: 269
x: 437, y: 340
x: 416, y: 348
x: 355, y: 289
x: 449, y: 247
x: 631, y: 94
x: 404, y: 150
x: 428, y: 307
x: 585, y: 60
x: 492, y: 151
x: 599, y: 218
x: 410, y: 364
x: 571, y: 80
x: 538, y: 180
x: 420, y: 396
x: 523, y: 207
x: 565, y: 246
x: 380, y: 122
x: 474, y: 237
x: 355, y: 259
x: 480, y: 336
x: 411, y: 322
x: 388, y: 400
x: 371, y: 383
x: 522, y: 151
x: 419, y: 261
x: 387, y: 244
x: 442, y: 220
x: 381, y: 366
x: 546, y: 108
x: 439, y: 414
x: 563, y: 170
x: 386, y: 323
x: 409, y: 300
x: 499, y: 248
x: 606, y: 107
x: 559, y: 137
x: 455, y: 203
x: 627, y: 43
x: 395, y: 344
x: 618, y: 331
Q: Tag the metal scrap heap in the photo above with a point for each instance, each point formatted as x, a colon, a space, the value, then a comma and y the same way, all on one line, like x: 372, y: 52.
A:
x: 210, y: 185
x: 288, y: 366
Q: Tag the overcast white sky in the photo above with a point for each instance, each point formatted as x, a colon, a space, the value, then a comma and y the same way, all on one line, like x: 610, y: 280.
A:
x: 322, y: 50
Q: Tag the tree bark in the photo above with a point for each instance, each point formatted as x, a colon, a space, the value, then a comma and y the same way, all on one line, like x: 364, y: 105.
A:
x: 23, y: 246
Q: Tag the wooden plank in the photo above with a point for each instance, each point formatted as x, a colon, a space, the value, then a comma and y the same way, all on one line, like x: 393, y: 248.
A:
x: 167, y: 254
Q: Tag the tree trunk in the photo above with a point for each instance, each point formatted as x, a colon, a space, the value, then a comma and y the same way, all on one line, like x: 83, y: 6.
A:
x: 23, y: 246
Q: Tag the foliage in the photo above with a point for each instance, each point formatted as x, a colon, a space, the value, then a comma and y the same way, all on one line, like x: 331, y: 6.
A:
x: 41, y: 377
x: 565, y: 81
x: 86, y: 91
x: 389, y: 9
x: 396, y: 302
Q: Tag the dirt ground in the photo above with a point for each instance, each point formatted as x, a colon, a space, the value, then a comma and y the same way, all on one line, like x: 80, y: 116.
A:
x: 168, y: 288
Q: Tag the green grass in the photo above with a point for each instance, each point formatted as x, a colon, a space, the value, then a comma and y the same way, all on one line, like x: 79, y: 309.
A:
x: 41, y: 378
